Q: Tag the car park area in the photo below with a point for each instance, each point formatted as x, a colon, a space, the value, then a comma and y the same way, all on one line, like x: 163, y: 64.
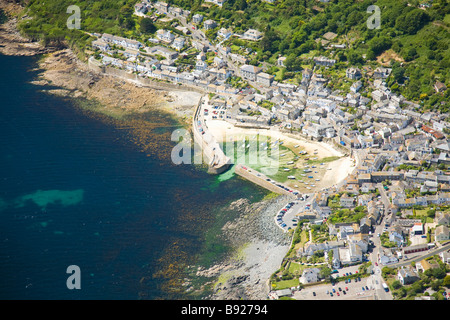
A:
x: 287, y: 218
x: 355, y: 289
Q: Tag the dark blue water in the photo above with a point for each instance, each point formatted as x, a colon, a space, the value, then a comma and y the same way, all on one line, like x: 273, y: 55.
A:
x: 76, y: 190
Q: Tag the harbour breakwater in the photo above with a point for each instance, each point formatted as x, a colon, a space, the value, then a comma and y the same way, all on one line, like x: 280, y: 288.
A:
x: 216, y: 159
x: 263, y: 181
x: 218, y: 162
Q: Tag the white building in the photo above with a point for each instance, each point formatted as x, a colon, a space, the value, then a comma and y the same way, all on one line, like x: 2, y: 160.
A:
x: 224, y: 33
x: 178, y: 43
x: 252, y: 34
x: 209, y: 24
x: 217, y: 2
x: 197, y: 18
x: 126, y: 43
x: 310, y: 275
x: 165, y: 35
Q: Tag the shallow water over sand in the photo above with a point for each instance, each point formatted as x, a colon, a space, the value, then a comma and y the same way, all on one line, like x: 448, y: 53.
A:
x: 81, y: 188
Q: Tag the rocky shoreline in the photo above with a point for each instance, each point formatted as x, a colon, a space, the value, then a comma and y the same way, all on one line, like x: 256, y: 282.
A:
x: 11, y: 41
x: 69, y: 76
x: 259, y: 246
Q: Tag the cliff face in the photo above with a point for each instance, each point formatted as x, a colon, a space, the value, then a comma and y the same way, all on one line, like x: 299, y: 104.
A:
x: 12, y: 43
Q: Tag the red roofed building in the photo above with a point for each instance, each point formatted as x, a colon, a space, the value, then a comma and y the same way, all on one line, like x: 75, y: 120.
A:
x: 435, y: 134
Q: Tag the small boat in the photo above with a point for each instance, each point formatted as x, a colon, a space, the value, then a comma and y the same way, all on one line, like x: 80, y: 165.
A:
x: 287, y: 169
x: 296, y: 146
x: 291, y: 177
x: 290, y: 162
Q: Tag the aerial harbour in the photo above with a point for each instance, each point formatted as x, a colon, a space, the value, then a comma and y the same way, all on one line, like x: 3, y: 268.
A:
x: 306, y: 151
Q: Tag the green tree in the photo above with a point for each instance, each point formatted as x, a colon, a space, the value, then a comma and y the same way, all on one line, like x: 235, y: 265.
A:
x: 396, y: 284
x: 147, y: 26
x: 270, y: 41
x: 379, y: 44
x: 293, y: 63
x: 325, y: 272
x: 410, y: 54
x: 241, y: 4
x: 416, y: 287
x: 354, y: 58
x: 439, y: 273
x: 446, y: 281
x: 412, y: 21
x: 398, y: 72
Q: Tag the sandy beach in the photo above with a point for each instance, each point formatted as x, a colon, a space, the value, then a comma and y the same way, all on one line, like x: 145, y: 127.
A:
x: 260, y: 244
x: 332, y: 173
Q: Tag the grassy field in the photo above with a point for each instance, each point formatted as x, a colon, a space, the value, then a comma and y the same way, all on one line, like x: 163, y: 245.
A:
x: 284, y: 284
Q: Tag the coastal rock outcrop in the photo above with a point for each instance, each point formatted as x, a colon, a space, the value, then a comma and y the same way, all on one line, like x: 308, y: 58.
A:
x: 12, y: 42
x: 260, y: 247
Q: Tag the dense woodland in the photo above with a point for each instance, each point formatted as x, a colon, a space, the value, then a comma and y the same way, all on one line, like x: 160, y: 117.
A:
x: 416, y: 39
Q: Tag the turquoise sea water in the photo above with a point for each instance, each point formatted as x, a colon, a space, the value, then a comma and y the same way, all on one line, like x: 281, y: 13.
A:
x: 75, y: 190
